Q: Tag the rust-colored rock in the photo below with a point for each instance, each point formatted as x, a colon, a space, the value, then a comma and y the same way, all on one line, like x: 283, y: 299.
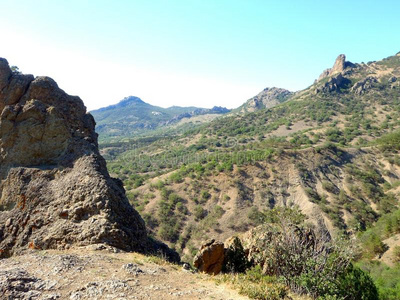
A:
x: 210, y: 258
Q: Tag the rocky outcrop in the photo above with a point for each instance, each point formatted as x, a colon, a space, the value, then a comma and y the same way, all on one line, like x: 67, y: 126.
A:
x: 334, y: 84
x: 362, y: 86
x: 267, y: 98
x: 55, y: 190
x: 210, y: 258
x: 339, y: 66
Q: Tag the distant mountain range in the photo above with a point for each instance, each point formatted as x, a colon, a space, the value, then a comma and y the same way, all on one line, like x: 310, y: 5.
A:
x: 132, y: 116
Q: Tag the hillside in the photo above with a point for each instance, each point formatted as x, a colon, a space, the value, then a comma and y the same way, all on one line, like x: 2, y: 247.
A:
x: 132, y: 117
x: 318, y: 150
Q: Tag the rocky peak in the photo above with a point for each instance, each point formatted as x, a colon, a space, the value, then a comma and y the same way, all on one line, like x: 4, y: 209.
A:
x: 55, y: 190
x: 339, y: 66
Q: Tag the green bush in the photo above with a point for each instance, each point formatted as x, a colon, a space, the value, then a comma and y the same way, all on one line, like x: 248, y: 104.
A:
x: 372, y: 244
x: 386, y: 279
x: 199, y: 212
x: 355, y: 284
x: 205, y: 195
x: 396, y: 254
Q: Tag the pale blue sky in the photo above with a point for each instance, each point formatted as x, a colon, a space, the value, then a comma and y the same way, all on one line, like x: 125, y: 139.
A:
x: 202, y: 53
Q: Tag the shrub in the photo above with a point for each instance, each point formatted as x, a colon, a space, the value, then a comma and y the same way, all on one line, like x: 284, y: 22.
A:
x: 329, y: 187
x: 355, y: 284
x: 396, y: 254
x: 372, y: 244
x: 235, y: 258
x: 305, y: 260
x: 199, y: 212
x: 386, y: 279
x: 205, y: 195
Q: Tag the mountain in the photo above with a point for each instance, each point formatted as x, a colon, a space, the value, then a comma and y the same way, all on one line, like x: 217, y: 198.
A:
x: 132, y: 116
x: 267, y: 98
x: 330, y: 149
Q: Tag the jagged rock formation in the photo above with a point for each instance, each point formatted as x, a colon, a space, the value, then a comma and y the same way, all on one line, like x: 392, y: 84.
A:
x: 55, y: 190
x: 339, y: 66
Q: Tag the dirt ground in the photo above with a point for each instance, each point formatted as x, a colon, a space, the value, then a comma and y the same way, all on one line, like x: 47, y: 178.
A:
x: 97, y: 272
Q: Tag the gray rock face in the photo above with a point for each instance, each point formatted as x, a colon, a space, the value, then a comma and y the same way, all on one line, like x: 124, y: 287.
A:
x: 55, y: 190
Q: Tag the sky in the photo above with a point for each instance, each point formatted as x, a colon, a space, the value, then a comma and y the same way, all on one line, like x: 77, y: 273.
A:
x: 191, y: 52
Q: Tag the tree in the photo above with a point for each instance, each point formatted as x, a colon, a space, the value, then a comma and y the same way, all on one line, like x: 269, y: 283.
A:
x: 15, y: 69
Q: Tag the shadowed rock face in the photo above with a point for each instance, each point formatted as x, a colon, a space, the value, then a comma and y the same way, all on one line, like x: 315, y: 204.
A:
x: 55, y: 190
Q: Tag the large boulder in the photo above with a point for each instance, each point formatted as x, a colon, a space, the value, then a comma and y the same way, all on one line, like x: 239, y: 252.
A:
x: 55, y: 190
x: 210, y: 258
